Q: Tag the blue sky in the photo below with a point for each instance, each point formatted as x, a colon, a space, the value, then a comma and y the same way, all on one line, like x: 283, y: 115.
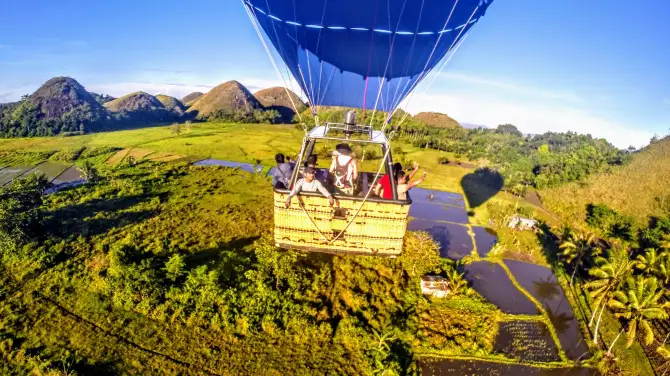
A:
x: 597, y: 66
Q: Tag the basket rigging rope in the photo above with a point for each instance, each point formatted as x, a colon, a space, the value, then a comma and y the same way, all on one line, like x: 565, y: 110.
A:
x: 379, y: 170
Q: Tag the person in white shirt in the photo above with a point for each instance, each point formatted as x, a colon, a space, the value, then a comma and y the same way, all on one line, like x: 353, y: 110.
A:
x: 344, y: 168
x: 309, y: 184
x: 404, y: 185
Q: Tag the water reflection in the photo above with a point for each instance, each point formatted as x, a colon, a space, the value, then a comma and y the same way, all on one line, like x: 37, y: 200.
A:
x: 485, y: 239
x: 437, y: 197
x: 491, y: 281
x: 8, y: 174
x: 542, y: 284
x: 457, y: 367
x: 455, y: 242
x: 526, y: 341
x: 438, y: 212
x: 217, y: 162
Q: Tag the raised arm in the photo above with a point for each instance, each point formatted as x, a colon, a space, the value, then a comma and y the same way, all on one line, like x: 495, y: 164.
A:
x: 414, y: 171
x: 417, y: 182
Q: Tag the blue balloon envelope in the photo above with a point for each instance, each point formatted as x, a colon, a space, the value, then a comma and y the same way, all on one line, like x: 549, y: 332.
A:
x: 363, y: 53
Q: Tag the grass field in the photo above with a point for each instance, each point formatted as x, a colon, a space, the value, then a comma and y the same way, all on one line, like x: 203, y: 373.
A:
x: 250, y: 143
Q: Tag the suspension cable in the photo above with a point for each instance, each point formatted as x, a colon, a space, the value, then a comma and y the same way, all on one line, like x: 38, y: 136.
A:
x: 365, y: 199
x: 252, y: 16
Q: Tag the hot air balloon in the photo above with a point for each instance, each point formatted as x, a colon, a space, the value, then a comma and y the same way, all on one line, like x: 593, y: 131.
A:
x: 362, y: 54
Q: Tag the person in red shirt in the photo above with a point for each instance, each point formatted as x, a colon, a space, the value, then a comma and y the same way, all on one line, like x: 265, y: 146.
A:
x: 384, y: 184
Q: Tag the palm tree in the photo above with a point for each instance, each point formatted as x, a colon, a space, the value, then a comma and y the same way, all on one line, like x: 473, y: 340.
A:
x: 88, y: 172
x: 654, y: 263
x: 608, y: 273
x: 638, y: 303
x: 575, y: 249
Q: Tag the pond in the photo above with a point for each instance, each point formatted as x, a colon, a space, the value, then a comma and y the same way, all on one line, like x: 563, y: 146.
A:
x: 438, y: 212
x: 455, y: 242
x: 8, y: 174
x: 217, y: 162
x: 485, y: 239
x: 437, y: 197
x: 461, y: 367
x: 490, y: 280
x: 542, y: 284
x: 526, y: 341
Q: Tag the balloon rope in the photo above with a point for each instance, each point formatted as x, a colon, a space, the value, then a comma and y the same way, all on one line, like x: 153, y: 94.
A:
x: 365, y: 199
x: 444, y: 64
x: 372, y: 45
x: 460, y: 41
x: 272, y: 59
x: 432, y: 52
x: 388, y: 61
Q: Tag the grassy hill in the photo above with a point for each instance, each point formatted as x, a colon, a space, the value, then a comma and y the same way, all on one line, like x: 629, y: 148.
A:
x: 61, y: 105
x: 230, y: 96
x: 191, y: 98
x: 171, y: 103
x: 282, y: 101
x: 437, y: 119
x: 639, y: 189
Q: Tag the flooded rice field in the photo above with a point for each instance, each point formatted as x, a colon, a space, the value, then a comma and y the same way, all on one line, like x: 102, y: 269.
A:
x: 71, y: 176
x: 438, y: 212
x: 491, y: 281
x: 460, y: 367
x: 8, y: 174
x: 541, y: 283
x: 526, y: 341
x: 485, y: 239
x: 217, y: 162
x: 455, y: 242
x: 437, y: 197
x: 49, y: 169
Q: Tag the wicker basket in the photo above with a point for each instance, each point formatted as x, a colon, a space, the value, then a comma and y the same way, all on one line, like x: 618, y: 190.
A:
x: 378, y: 229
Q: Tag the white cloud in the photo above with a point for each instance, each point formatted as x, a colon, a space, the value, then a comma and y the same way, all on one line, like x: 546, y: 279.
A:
x: 513, y: 88
x: 529, y: 117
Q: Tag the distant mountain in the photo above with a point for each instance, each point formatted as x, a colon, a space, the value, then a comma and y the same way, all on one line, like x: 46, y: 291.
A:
x: 191, y: 98
x: 230, y: 97
x: 172, y: 104
x: 473, y: 126
x: 61, y: 105
x: 140, y: 107
x: 437, y: 119
x: 282, y: 101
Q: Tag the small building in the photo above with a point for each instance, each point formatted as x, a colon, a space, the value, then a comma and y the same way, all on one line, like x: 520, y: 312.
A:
x: 521, y: 223
x: 434, y: 286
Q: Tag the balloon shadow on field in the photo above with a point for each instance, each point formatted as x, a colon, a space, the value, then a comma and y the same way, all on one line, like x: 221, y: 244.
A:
x: 480, y: 185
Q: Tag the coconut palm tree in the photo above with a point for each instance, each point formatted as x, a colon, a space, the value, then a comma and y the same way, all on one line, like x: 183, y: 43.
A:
x: 654, y: 263
x: 664, y: 351
x: 638, y: 303
x: 608, y: 275
x: 88, y: 172
x: 575, y: 250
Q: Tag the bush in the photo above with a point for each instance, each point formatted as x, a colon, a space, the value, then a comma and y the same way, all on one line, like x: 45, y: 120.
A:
x: 443, y: 160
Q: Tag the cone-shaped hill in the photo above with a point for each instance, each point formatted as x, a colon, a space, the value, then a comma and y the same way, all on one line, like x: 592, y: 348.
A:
x: 141, y: 107
x: 279, y: 99
x: 171, y: 103
x: 191, y: 98
x: 227, y: 97
x: 437, y: 119
x: 60, y: 105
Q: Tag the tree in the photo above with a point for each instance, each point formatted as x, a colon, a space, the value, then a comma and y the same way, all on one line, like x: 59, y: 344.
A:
x: 176, y: 129
x: 608, y: 273
x: 575, y: 249
x: 654, y: 263
x: 638, y: 303
x: 509, y: 129
x: 89, y: 172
